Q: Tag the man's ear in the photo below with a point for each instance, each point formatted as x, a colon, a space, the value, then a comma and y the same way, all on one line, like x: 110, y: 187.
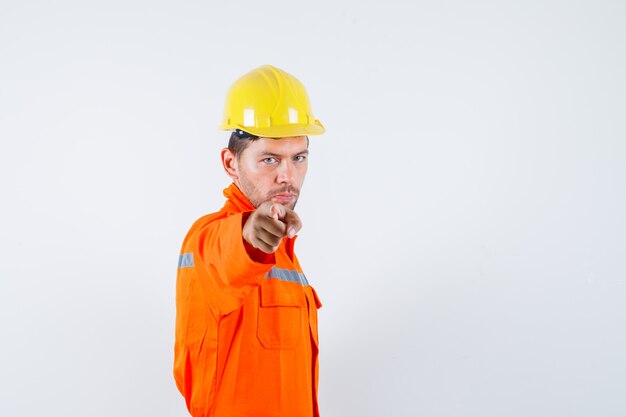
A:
x: 229, y: 161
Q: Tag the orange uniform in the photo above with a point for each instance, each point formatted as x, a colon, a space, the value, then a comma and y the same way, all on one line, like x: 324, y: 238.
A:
x: 246, y: 330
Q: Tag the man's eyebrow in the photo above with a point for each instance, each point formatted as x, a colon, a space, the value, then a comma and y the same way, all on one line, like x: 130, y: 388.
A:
x: 304, y: 152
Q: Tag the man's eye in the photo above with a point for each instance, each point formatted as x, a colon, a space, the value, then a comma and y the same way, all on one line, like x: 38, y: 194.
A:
x: 300, y: 158
x: 269, y: 160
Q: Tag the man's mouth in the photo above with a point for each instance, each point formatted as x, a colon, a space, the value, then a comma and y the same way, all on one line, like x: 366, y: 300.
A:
x: 284, y: 197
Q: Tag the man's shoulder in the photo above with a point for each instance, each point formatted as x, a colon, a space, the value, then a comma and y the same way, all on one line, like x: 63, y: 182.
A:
x: 207, y: 219
x: 203, y: 221
x: 225, y: 212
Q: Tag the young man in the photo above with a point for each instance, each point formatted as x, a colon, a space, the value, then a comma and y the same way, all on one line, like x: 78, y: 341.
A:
x: 246, y: 316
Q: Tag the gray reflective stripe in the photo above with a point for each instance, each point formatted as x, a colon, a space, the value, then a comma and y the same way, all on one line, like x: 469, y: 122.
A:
x: 185, y: 260
x: 287, y: 275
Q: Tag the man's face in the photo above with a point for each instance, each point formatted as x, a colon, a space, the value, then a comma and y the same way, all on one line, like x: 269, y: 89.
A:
x: 273, y: 169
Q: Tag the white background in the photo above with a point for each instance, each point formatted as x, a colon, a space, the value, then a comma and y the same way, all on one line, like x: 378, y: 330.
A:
x: 463, y: 215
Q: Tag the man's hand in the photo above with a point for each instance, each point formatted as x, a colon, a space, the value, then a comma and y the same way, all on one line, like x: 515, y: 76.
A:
x: 268, y: 224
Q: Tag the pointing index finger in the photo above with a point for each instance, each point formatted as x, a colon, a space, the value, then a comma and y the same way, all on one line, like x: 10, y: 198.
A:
x: 277, y: 211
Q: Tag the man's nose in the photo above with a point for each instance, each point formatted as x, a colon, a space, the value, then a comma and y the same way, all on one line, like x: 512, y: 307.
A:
x: 285, y: 172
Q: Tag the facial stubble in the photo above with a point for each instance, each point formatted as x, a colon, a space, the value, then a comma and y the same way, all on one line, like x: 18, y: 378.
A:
x: 252, y: 192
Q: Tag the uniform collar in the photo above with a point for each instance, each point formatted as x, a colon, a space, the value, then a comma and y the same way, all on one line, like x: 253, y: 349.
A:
x: 237, y: 201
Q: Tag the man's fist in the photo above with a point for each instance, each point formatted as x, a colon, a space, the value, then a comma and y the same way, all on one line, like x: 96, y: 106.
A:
x: 268, y: 224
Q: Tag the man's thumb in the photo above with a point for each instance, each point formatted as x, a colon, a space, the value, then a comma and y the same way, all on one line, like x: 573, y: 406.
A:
x: 294, y: 224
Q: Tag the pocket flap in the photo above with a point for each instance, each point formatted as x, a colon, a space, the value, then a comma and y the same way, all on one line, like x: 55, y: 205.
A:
x: 279, y: 293
x: 318, y: 303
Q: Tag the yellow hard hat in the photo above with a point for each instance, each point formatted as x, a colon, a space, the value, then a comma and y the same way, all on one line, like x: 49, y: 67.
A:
x: 271, y: 103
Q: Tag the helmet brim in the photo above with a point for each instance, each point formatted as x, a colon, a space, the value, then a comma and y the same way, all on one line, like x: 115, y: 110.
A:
x: 282, y: 131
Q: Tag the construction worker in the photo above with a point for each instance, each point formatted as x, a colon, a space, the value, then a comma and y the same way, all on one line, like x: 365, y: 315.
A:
x: 246, y: 315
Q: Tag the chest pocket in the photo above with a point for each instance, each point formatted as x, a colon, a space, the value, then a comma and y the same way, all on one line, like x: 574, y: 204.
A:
x: 282, y: 321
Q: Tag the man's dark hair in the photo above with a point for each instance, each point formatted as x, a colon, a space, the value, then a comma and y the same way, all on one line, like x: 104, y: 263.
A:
x: 239, y: 141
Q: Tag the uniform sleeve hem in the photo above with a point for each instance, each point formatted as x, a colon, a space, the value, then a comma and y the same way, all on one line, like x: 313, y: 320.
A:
x: 239, y: 265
